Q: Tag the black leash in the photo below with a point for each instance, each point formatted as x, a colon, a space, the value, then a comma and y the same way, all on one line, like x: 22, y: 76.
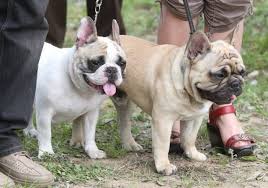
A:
x: 189, y: 16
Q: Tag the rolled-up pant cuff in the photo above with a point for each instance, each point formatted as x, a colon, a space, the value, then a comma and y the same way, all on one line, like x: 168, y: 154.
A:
x: 10, y: 150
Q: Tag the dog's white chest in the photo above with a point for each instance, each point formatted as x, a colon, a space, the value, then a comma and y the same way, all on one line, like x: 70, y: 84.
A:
x: 56, y: 95
x: 69, y: 109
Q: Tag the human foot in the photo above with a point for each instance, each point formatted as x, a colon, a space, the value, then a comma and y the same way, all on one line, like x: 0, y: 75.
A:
x: 22, y: 169
x: 222, y: 120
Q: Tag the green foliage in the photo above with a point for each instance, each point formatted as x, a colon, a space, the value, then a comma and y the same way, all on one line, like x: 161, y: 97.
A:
x: 255, y: 41
x: 66, y: 170
x: 141, y: 17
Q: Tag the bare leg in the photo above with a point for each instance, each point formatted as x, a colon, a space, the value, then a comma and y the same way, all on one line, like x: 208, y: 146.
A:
x: 233, y: 126
x: 238, y: 35
x: 172, y: 30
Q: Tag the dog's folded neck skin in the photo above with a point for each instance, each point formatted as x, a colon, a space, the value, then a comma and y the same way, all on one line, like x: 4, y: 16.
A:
x: 77, y: 79
x: 191, y: 53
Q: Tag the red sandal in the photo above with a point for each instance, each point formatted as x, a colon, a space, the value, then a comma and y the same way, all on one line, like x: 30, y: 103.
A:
x: 215, y: 137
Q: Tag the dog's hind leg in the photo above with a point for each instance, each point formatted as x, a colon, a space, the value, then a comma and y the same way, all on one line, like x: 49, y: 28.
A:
x: 124, y: 110
x: 77, y: 139
x: 90, y: 122
x: 30, y: 129
x: 188, y: 137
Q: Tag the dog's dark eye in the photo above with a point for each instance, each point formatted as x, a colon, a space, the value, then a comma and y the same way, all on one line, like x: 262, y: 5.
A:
x: 95, y: 62
x: 219, y: 75
x: 121, y: 62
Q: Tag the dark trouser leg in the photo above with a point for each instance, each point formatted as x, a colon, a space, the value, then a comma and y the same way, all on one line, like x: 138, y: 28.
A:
x: 110, y: 9
x: 23, y: 31
x: 56, y: 18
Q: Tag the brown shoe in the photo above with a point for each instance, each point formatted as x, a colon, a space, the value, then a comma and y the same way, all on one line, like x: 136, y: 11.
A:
x: 19, y: 167
x: 6, y: 182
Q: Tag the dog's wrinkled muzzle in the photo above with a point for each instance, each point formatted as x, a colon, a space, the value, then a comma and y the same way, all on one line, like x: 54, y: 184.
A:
x: 225, y: 94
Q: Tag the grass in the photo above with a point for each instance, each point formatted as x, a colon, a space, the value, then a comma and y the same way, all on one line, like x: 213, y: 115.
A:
x: 141, y: 19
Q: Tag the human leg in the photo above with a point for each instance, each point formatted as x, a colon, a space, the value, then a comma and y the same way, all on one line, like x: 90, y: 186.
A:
x: 23, y: 31
x: 222, y: 23
x: 21, y: 43
x: 228, y: 123
x: 174, y: 30
x: 56, y: 17
x: 109, y: 10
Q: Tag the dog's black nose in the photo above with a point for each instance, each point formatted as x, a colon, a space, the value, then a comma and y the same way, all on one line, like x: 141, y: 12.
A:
x: 236, y: 84
x: 111, y: 73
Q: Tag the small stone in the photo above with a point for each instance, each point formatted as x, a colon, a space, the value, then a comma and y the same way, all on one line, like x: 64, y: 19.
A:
x: 256, y: 176
x: 253, y: 74
x: 265, y: 94
x: 254, y: 82
x: 160, y: 183
x: 265, y: 73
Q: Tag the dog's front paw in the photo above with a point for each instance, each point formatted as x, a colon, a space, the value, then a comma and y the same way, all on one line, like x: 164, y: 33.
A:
x: 77, y: 144
x: 96, y: 154
x: 196, y: 155
x: 43, y: 153
x: 132, y: 146
x: 167, y: 170
x: 30, y: 132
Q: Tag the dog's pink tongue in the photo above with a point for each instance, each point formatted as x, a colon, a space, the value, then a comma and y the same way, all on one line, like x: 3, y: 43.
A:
x: 109, y: 89
x: 233, y: 97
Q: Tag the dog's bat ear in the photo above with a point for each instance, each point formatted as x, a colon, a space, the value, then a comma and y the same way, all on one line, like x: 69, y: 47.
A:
x: 87, y: 32
x: 115, y: 32
x: 198, y: 45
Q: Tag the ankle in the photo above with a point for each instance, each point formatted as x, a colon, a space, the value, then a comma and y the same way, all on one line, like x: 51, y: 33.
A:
x: 216, y: 106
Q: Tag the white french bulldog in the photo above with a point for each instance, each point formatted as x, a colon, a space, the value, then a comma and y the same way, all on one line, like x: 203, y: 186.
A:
x: 73, y: 82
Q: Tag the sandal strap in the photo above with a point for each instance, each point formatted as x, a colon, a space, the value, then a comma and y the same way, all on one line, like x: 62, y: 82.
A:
x: 236, y: 138
x: 175, y: 135
x: 214, y: 114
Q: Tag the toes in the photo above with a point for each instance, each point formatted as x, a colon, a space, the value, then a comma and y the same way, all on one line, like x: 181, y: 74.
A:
x: 76, y: 144
x: 96, y: 154
x: 43, y: 153
x: 196, y: 156
x: 132, y: 146
x: 168, y: 170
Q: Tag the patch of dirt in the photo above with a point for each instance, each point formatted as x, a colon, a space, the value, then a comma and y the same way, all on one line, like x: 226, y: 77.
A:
x: 137, y: 169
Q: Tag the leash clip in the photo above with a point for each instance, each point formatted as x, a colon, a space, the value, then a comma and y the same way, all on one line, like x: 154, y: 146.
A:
x: 97, y: 9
